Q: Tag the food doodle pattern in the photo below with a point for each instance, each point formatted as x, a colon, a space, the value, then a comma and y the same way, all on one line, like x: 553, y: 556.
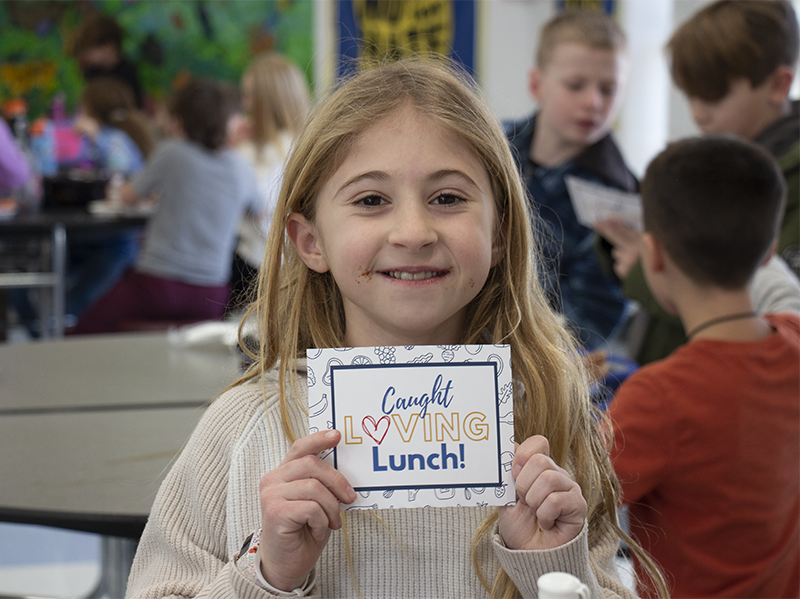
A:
x: 433, y: 422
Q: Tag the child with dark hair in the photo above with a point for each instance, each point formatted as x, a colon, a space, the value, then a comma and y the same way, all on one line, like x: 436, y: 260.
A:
x: 707, y: 441
x: 735, y: 60
x: 203, y: 190
x: 97, y: 44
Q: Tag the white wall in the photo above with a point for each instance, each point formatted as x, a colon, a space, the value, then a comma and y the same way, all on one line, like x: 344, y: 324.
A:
x: 508, y: 35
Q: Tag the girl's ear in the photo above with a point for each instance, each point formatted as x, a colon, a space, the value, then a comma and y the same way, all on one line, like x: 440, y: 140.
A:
x: 303, y: 236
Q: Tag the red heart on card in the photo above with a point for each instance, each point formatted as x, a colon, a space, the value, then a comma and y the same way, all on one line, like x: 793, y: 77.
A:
x: 373, y: 428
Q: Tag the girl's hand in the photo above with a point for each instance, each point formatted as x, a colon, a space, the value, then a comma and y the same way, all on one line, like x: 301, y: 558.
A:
x: 299, y: 508
x: 550, y: 507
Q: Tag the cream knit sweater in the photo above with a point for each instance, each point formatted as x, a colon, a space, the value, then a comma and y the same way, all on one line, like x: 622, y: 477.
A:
x: 209, y: 504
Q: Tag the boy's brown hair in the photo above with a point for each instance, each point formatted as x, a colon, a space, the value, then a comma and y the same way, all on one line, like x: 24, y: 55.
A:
x: 732, y: 39
x: 204, y: 108
x: 714, y: 203
x: 591, y: 28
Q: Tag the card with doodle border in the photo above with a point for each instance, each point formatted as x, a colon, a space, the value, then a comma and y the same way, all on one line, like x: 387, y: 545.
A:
x: 422, y: 426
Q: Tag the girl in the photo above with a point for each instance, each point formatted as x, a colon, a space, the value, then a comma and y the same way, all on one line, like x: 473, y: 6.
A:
x: 405, y: 223
x: 275, y: 97
x: 118, y: 135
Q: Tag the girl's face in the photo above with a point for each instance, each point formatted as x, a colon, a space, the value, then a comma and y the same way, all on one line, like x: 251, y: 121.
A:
x: 407, y: 227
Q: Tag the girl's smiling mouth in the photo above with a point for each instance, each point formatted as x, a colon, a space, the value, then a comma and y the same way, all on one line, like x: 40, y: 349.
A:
x: 405, y: 275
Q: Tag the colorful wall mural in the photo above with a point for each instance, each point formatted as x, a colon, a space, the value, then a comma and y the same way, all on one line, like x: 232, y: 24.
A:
x: 167, y: 40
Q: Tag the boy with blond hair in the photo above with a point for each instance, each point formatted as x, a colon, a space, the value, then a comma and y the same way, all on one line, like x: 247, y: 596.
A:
x: 707, y: 441
x: 581, y: 69
x: 735, y: 60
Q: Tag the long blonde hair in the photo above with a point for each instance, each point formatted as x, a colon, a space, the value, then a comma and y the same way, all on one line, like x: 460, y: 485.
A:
x: 280, y: 98
x: 298, y: 308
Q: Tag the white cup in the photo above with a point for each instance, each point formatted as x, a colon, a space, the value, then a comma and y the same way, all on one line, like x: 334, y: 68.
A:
x: 559, y: 585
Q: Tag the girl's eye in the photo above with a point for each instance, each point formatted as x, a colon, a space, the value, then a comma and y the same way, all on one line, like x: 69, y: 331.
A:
x: 370, y: 201
x: 447, y: 199
x: 574, y: 85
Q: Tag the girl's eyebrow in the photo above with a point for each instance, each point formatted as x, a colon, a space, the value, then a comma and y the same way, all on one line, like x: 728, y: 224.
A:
x: 452, y: 173
x: 376, y: 175
x: 383, y: 176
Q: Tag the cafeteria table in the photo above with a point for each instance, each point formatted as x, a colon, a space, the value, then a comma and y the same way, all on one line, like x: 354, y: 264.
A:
x: 89, y: 427
x: 52, y: 228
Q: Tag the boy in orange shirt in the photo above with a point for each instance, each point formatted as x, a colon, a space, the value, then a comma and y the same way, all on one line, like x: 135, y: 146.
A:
x: 707, y: 440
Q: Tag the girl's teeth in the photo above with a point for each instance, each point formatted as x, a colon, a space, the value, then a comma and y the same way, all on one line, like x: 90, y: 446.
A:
x: 411, y: 276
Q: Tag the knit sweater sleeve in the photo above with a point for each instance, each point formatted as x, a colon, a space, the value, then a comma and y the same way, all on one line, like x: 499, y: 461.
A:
x: 183, y: 552
x: 593, y: 565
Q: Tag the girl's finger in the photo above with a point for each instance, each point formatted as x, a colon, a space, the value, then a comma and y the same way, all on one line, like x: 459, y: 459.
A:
x: 311, y: 514
x: 310, y: 467
x: 277, y: 501
x: 536, y: 444
x: 313, y: 444
x: 565, y: 507
x: 546, y: 484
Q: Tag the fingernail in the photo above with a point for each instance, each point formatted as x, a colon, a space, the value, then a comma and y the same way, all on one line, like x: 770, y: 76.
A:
x: 331, y: 434
x: 515, y: 470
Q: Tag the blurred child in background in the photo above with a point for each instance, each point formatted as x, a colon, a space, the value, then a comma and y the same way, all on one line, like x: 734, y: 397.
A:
x: 578, y: 81
x: 97, y: 44
x: 276, y: 102
x: 203, y: 189
x: 117, y: 141
x: 118, y: 135
x: 14, y: 168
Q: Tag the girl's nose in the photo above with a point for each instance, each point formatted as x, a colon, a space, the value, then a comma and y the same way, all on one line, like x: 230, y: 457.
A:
x: 412, y: 227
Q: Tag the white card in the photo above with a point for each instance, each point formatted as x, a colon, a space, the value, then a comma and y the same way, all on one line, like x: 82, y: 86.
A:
x: 421, y: 425
x: 594, y: 203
